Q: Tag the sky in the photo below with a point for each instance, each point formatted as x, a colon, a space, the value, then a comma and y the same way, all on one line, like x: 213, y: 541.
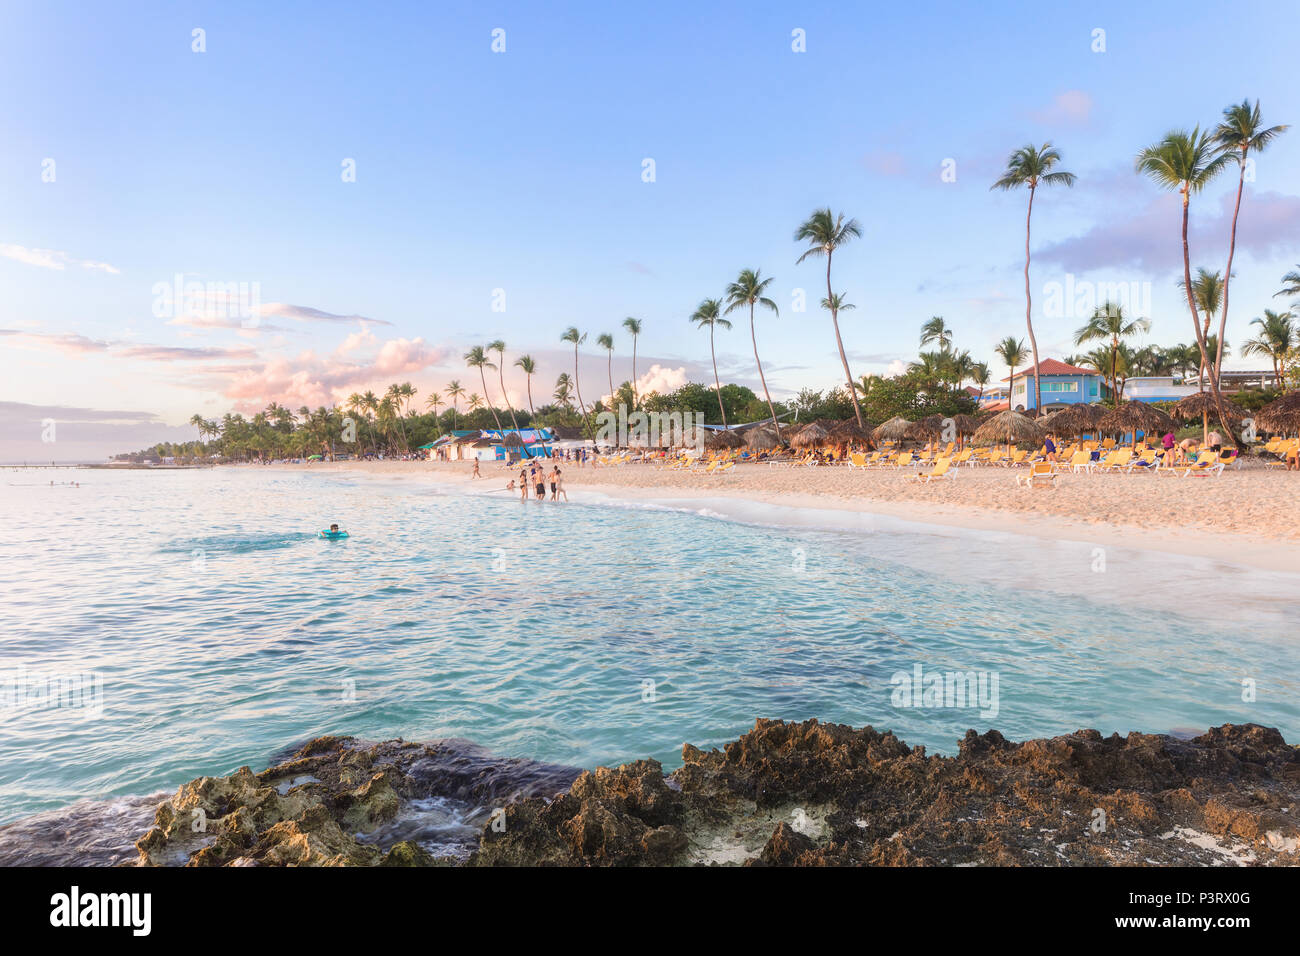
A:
x: 356, y: 196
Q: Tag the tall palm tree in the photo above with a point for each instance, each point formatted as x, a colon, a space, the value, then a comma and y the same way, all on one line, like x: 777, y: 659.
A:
x: 1241, y: 133
x: 1109, y: 322
x: 979, y: 374
x: 477, y: 358
x: 500, y: 348
x: 1033, y: 167
x: 1290, y: 283
x: 529, y: 367
x: 371, y: 403
x: 475, y: 401
x: 564, y: 390
x: 936, y: 332
x: 576, y: 338
x: 633, y: 326
x: 1187, y: 162
x: 748, y: 290
x: 1207, y: 291
x: 708, y: 314
x: 824, y: 231
x: 454, y: 392
x: 1276, y: 337
x: 1013, y: 353
x: 432, y: 403
x: 606, y: 342
x: 395, y: 394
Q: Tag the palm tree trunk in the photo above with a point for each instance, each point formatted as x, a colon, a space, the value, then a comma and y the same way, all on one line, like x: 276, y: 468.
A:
x: 1196, y: 325
x: 582, y: 406
x: 636, y: 398
x: 501, y: 377
x: 717, y: 382
x: 488, y: 395
x: 1223, y: 313
x: 844, y: 359
x: 1029, y: 324
x: 753, y: 337
x: 609, y: 371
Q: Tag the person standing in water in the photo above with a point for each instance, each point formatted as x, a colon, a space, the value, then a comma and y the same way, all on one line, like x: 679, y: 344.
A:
x: 557, y: 485
x: 476, y: 474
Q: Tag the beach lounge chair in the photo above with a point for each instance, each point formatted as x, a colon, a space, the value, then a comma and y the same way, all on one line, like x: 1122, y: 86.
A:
x: 857, y: 460
x: 1207, y: 463
x: 1081, y: 459
x: 942, y: 469
x: 1149, y: 460
x: 1116, y: 460
x: 1040, y: 472
x: 903, y: 460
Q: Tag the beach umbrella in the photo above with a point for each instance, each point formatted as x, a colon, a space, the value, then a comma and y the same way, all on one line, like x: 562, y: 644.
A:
x: 850, y: 433
x: 925, y: 429
x: 762, y: 437
x: 965, y: 424
x: 892, y: 430
x: 1281, y: 416
x: 1076, y: 419
x: 1202, y: 404
x: 809, y: 435
x: 722, y: 440
x: 1134, y: 417
x: 1009, y: 426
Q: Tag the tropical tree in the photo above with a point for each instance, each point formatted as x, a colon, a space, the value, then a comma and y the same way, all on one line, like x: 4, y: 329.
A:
x: 1207, y: 292
x: 432, y: 403
x: 1241, y: 133
x: 979, y: 374
x: 455, y: 392
x: 500, y: 348
x: 394, y: 396
x: 1187, y: 163
x: 1033, y: 167
x: 564, y: 390
x: 936, y: 332
x: 1109, y: 323
x: 477, y: 358
x: 748, y: 290
x: 708, y: 314
x: 633, y: 326
x: 529, y: 367
x: 1275, y: 339
x: 1290, y: 283
x: 576, y: 338
x: 1012, y: 353
x: 824, y: 231
x: 475, y: 401
x: 606, y: 342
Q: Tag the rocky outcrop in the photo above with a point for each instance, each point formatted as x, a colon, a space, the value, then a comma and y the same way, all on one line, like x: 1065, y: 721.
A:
x: 784, y: 794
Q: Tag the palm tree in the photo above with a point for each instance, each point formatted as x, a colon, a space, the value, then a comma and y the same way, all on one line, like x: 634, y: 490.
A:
x: 477, y: 358
x: 529, y: 367
x: 564, y: 390
x: 500, y: 348
x: 708, y: 314
x: 1013, y: 353
x: 1187, y: 162
x: 454, y: 392
x: 936, y: 332
x: 475, y: 401
x: 824, y: 231
x: 1207, y: 290
x: 1276, y: 337
x: 432, y: 403
x: 1240, y: 133
x: 979, y: 374
x: 1290, y: 283
x: 606, y: 342
x: 1108, y: 322
x: 748, y: 290
x: 576, y: 338
x: 633, y: 326
x: 1033, y: 167
x: 395, y: 394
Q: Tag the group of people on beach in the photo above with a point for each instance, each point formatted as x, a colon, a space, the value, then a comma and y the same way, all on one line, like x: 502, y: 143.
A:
x: 1174, y: 452
x: 534, y: 478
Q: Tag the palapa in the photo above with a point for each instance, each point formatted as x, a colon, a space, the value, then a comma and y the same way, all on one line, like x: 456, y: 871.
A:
x: 892, y: 430
x: 1280, y: 416
x: 1010, y: 427
x: 1135, y: 416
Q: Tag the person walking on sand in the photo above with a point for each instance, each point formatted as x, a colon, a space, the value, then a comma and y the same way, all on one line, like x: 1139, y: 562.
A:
x: 1168, y: 442
x: 476, y: 474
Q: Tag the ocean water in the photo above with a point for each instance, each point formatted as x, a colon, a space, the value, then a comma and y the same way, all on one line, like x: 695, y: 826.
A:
x: 210, y: 628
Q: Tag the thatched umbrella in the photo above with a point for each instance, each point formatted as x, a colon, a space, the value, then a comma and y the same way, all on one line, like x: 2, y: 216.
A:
x: 1281, y: 416
x: 925, y: 429
x: 965, y: 424
x: 1076, y: 419
x: 1201, y: 404
x: 762, y: 437
x: 892, y: 429
x: 722, y: 440
x: 1009, y: 426
x: 809, y: 435
x: 1134, y: 417
x: 850, y: 433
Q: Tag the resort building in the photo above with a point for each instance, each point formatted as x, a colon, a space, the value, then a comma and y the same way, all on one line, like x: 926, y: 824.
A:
x: 1156, y: 388
x: 1060, y: 384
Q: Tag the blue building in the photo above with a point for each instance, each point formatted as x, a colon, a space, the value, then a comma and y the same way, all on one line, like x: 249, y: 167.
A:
x: 1060, y: 384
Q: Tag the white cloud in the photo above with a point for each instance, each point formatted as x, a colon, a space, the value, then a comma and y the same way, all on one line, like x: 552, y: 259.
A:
x: 51, y: 259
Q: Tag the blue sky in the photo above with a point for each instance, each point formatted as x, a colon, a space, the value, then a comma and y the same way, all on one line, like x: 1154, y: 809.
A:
x: 522, y: 171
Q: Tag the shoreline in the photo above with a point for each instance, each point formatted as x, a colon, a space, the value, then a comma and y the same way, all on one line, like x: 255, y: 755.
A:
x: 1268, y: 547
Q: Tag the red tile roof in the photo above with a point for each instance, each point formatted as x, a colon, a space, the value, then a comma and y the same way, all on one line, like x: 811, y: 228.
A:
x: 1052, y: 367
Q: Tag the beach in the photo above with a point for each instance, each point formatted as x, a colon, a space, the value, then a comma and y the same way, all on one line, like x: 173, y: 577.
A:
x: 1249, y: 517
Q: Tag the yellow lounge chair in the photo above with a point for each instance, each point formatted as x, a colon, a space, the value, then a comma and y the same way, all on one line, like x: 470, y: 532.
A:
x: 1039, y: 471
x: 941, y: 469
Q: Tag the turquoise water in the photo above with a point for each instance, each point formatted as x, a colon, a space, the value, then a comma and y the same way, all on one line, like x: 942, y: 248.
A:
x: 220, y: 629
